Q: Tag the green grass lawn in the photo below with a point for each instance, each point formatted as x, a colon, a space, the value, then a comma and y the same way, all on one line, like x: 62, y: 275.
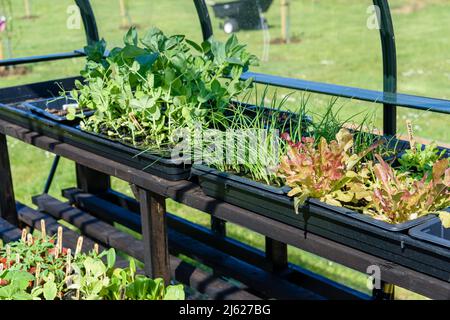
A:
x: 332, y: 44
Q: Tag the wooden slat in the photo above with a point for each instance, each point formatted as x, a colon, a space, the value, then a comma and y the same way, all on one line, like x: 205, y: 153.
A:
x: 197, y: 279
x: 91, y: 226
x: 33, y: 219
x: 8, y: 231
x: 191, y: 195
x: 259, y: 280
x: 208, y: 284
x: 391, y: 272
x: 125, y: 209
x: 264, y: 282
x: 7, y: 201
x: 101, y: 208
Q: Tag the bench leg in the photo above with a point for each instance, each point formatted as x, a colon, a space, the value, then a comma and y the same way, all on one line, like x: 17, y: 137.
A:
x: 276, y: 255
x: 154, y: 233
x: 219, y: 227
x: 8, y: 209
x: 92, y: 181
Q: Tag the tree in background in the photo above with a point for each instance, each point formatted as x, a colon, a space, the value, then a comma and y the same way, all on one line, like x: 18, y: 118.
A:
x: 27, y: 6
x: 126, y: 19
x: 285, y: 21
x: 28, y: 10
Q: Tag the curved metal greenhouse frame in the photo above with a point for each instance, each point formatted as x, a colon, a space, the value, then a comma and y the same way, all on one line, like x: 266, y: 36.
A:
x: 389, y: 97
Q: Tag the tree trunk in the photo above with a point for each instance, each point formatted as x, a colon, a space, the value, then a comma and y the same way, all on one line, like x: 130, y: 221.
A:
x: 124, y: 14
x: 285, y: 21
x: 27, y: 6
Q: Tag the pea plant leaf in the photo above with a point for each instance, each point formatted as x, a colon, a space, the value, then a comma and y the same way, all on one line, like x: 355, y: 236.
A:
x: 131, y: 37
x: 50, y: 290
x: 144, y: 91
x: 174, y: 293
x: 111, y: 258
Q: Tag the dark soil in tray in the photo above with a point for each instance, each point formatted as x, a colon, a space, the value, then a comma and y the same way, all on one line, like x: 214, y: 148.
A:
x: 57, y: 108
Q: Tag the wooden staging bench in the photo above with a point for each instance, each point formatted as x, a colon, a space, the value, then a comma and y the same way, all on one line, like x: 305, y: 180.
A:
x: 93, y: 177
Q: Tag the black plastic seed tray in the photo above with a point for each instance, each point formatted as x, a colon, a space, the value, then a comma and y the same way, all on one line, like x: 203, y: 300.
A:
x: 273, y: 202
x: 133, y: 157
x: 432, y: 231
x: 44, y: 107
x: 397, y: 227
x: 345, y: 226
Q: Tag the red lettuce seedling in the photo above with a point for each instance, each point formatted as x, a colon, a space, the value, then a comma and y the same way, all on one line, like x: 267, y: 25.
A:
x: 397, y: 198
x: 324, y: 170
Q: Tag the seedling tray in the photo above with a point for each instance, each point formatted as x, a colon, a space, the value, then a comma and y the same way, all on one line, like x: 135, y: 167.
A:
x: 133, y: 157
x: 345, y: 226
x: 432, y: 231
x: 263, y: 197
x: 41, y: 107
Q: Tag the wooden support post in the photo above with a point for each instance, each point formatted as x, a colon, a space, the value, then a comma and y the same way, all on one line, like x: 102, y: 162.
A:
x: 276, y: 255
x: 8, y: 209
x: 154, y: 234
x: 219, y: 226
x: 92, y: 181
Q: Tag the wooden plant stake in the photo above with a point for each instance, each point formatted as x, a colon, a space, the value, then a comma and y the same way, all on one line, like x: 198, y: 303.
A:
x: 8, y: 255
x: 96, y: 248
x: 79, y: 246
x: 68, y: 268
x: 69, y: 262
x: 37, y: 274
x: 1, y: 268
x: 29, y: 240
x: 23, y: 238
x: 17, y: 258
x: 135, y: 122
x: 59, y: 240
x: 43, y: 230
x: 412, y: 143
